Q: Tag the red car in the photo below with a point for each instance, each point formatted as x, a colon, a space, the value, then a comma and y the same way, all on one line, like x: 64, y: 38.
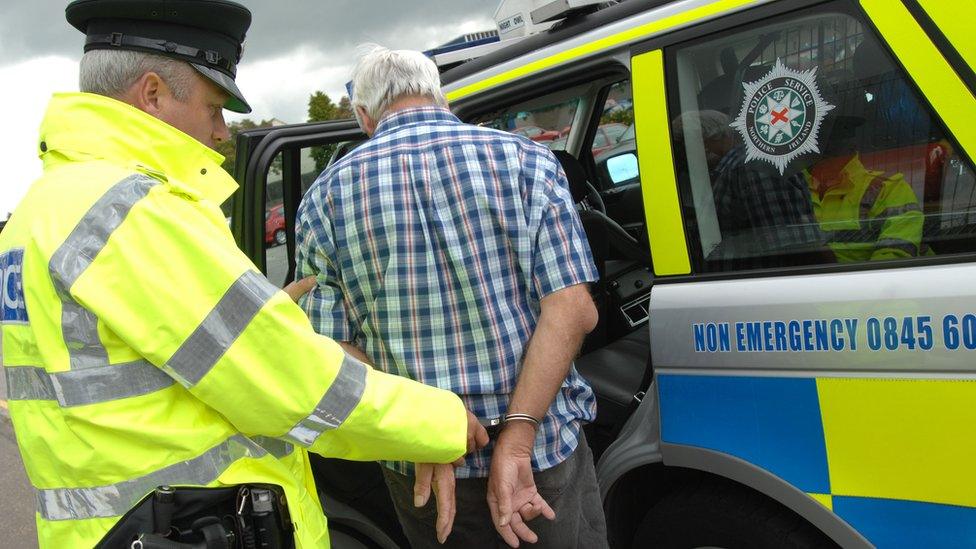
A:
x: 274, y: 225
x: 607, y: 135
x: 535, y: 133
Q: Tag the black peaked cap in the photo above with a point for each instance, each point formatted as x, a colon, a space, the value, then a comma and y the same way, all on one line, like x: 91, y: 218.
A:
x: 208, y: 34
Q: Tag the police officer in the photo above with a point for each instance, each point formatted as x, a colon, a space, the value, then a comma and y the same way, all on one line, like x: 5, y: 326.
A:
x: 142, y: 349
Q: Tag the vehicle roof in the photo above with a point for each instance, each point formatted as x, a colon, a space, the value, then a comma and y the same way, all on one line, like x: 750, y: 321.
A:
x: 584, y: 36
x: 562, y: 30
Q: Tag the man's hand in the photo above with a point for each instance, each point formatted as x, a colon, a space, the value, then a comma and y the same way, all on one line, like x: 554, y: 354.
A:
x: 512, y: 496
x: 441, y: 477
x: 298, y: 288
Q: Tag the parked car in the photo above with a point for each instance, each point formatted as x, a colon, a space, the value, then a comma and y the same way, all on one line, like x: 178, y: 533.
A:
x: 607, y: 135
x: 612, y: 174
x: 274, y: 226
x: 535, y: 133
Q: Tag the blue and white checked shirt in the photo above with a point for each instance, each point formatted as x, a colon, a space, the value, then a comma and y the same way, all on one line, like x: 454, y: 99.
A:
x: 433, y: 243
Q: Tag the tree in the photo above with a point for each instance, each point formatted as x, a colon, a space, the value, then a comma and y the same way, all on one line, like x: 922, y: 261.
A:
x: 229, y: 148
x: 345, y: 107
x: 321, y: 108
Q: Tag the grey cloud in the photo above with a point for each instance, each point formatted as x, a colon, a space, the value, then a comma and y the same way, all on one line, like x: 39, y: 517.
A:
x: 37, y: 27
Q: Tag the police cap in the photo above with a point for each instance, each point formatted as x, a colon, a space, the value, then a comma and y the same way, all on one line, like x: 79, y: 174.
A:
x: 208, y: 34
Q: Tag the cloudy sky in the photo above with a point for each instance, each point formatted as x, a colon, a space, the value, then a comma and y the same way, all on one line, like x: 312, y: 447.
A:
x: 294, y: 47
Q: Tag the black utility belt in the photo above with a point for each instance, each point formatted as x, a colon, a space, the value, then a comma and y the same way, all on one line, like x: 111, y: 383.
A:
x: 247, y: 516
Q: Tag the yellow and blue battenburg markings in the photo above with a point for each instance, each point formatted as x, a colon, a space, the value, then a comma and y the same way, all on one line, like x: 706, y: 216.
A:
x: 895, y: 458
x: 14, y: 309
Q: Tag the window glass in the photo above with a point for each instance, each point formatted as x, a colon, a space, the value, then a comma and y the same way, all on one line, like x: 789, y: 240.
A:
x: 614, y: 147
x: 551, y: 119
x: 801, y: 142
x: 614, y: 150
x: 275, y: 229
x: 547, y: 121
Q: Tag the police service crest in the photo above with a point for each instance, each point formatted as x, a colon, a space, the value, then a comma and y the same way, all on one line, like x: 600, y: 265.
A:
x: 781, y: 115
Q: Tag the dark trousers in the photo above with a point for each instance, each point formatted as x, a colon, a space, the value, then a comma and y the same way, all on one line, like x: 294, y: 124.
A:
x: 570, y: 488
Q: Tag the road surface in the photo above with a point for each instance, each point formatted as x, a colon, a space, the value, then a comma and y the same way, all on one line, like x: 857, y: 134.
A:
x: 16, y: 495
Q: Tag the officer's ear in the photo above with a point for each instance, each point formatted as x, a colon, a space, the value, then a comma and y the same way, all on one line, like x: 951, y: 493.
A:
x: 149, y: 93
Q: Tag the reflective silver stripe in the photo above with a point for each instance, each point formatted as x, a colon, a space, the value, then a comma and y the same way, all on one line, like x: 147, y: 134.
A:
x: 79, y: 249
x: 116, y: 499
x: 338, y: 402
x: 80, y: 330
x: 225, y: 323
x: 870, y: 196
x: 906, y: 246
x: 92, y: 232
x: 895, y: 211
x: 861, y: 236
x: 274, y: 446
x: 86, y: 386
x: 28, y: 383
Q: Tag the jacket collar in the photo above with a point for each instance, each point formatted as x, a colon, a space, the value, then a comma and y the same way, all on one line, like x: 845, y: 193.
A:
x: 85, y: 126
x: 414, y: 115
x: 839, y: 178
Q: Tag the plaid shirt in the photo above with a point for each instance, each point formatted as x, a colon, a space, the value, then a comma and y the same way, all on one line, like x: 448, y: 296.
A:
x: 433, y: 243
x: 762, y: 214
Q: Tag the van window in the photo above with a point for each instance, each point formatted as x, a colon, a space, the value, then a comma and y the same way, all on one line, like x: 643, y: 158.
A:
x: 276, y: 229
x: 614, y: 150
x: 614, y: 144
x: 801, y: 142
x: 547, y: 121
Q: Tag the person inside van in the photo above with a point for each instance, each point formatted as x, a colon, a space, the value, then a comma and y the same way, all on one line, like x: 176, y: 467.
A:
x: 858, y: 190
x: 866, y: 215
x: 765, y: 218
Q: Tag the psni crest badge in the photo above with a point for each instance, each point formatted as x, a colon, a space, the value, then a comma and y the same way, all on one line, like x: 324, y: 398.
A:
x: 781, y: 115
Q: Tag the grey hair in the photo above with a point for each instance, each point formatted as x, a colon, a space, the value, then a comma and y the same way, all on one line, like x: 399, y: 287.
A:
x: 712, y: 124
x: 382, y: 76
x: 113, y: 72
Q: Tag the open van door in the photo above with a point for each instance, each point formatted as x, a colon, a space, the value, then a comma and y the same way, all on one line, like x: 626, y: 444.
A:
x: 274, y: 168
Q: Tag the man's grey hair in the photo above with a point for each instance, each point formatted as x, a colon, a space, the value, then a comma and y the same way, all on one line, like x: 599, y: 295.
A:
x: 382, y: 76
x: 712, y: 124
x: 112, y: 72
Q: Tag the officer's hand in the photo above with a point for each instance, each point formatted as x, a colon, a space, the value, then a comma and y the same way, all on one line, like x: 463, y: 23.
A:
x: 442, y: 478
x: 299, y: 288
x: 477, y: 436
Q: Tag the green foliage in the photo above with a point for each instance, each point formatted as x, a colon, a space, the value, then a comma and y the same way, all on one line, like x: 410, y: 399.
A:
x: 321, y: 108
x: 229, y: 148
x: 622, y: 116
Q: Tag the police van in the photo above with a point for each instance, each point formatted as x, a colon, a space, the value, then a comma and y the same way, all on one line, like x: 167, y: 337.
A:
x: 780, y: 198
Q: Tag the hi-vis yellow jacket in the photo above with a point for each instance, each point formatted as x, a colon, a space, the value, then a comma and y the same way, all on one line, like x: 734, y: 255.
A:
x: 141, y: 347
x: 868, y: 216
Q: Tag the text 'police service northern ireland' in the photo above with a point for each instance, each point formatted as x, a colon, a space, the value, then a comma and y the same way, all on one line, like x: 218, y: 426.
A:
x: 952, y: 332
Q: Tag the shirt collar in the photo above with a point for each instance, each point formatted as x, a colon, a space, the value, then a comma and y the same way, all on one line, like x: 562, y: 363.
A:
x: 81, y: 126
x: 414, y: 115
